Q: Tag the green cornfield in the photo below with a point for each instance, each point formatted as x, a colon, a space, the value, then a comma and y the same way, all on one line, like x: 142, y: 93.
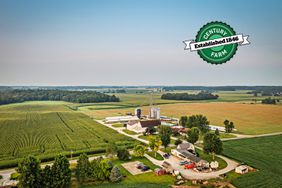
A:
x: 264, y: 154
x: 45, y: 129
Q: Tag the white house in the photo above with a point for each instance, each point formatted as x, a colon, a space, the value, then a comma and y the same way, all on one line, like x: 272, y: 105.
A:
x: 186, y: 151
x: 142, y: 126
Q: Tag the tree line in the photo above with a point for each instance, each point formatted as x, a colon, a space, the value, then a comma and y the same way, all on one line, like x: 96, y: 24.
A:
x: 269, y: 101
x: 203, y: 95
x: 225, y: 88
x: 17, y: 95
x: 59, y: 174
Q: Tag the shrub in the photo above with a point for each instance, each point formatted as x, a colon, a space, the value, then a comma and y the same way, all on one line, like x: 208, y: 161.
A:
x: 116, y: 175
x: 123, y: 154
x: 177, y: 142
x: 14, y: 176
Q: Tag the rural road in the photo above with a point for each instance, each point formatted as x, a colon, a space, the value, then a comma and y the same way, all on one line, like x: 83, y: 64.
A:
x: 242, y: 136
x: 191, y: 174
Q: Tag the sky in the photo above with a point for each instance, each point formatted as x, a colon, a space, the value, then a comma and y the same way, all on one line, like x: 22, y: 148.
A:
x: 130, y: 42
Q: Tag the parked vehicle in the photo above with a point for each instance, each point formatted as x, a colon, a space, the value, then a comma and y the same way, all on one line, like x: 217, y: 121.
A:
x: 139, y: 165
x: 190, y: 166
x: 183, y: 162
x: 166, y: 155
x: 145, y: 168
x: 142, y: 167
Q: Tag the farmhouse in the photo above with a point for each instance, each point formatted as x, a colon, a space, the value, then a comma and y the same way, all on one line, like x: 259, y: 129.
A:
x: 120, y: 119
x: 187, y: 151
x: 141, y: 126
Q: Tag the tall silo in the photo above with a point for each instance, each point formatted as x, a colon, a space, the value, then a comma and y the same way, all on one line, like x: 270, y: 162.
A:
x: 138, y: 112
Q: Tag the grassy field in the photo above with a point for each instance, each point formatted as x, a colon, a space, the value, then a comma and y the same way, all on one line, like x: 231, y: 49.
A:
x: 48, y: 128
x: 262, y: 153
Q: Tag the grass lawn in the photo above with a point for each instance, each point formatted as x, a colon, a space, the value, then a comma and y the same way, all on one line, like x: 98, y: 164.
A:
x: 155, y: 155
x: 118, y: 125
x: 129, y: 132
x: 262, y: 153
x: 142, y: 180
x: 147, y: 138
x: 226, y: 135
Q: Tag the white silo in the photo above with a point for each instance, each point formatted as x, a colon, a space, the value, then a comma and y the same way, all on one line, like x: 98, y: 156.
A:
x: 155, y: 113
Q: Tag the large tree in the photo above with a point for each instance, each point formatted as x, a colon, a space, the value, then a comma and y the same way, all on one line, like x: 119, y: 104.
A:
x: 61, y: 171
x: 199, y: 121
x: 183, y: 121
x: 154, y: 143
x: 229, y: 126
x: 165, y: 133
x: 47, y: 177
x: 105, y: 167
x: 111, y: 149
x: 96, y: 173
x: 212, y: 144
x: 123, y: 154
x: 82, y: 168
x: 139, y: 150
x: 100, y: 169
x: 29, y: 170
x: 193, y: 135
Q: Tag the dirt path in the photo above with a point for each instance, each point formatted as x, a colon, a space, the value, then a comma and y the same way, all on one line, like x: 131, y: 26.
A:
x: 242, y: 136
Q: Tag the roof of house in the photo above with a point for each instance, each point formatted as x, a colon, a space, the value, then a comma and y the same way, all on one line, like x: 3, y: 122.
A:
x: 190, y: 156
x: 132, y: 122
x: 185, y: 146
x: 150, y: 123
x: 121, y: 118
x: 242, y: 167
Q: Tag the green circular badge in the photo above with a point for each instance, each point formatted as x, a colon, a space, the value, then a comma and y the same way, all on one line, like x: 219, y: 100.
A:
x: 218, y: 54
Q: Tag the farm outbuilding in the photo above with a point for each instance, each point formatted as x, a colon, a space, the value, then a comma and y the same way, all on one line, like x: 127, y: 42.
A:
x: 141, y: 126
x: 242, y: 169
x: 120, y: 119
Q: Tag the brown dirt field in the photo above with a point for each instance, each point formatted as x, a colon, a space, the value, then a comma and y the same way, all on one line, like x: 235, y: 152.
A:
x: 248, y: 118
